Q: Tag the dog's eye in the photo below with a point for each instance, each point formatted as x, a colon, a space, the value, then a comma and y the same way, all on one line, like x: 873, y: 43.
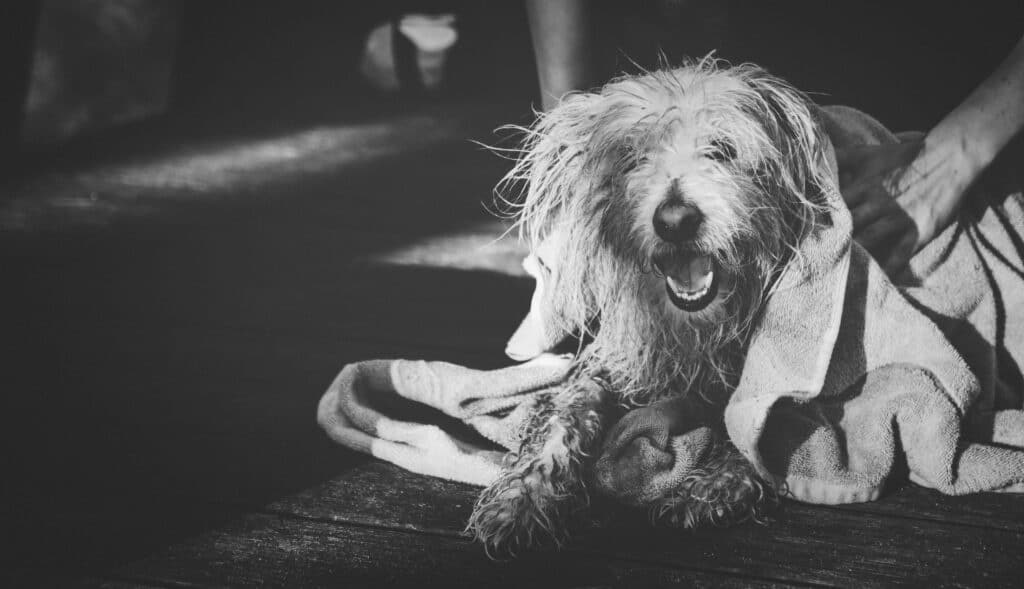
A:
x: 722, y: 150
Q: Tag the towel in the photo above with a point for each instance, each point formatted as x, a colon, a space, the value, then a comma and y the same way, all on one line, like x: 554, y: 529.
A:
x: 376, y: 407
x: 846, y: 376
x: 848, y: 373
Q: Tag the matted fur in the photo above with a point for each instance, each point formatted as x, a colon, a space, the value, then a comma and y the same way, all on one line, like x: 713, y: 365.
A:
x: 745, y: 148
x: 541, y: 485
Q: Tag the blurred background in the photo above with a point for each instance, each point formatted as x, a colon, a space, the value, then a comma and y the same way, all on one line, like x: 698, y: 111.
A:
x: 100, y: 79
x: 77, y: 69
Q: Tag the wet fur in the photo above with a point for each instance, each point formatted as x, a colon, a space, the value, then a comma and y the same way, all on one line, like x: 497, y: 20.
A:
x: 591, y: 172
x: 541, y: 485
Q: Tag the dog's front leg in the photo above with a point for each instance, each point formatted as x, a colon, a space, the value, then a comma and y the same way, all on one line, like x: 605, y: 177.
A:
x: 542, y: 484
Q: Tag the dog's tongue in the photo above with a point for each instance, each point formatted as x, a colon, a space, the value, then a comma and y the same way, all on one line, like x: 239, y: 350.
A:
x: 693, y: 275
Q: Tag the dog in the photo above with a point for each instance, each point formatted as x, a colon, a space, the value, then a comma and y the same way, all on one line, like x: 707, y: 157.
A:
x: 661, y: 210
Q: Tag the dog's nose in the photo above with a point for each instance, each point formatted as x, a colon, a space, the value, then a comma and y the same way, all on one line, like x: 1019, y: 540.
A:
x: 676, y: 221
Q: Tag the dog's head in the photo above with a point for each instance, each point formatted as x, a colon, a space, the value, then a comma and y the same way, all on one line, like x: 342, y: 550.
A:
x: 677, y: 196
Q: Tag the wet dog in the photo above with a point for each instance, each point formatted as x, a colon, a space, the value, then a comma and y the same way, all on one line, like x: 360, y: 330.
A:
x: 661, y: 210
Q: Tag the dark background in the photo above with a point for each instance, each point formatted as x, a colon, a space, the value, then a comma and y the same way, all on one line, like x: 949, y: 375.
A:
x: 263, y: 62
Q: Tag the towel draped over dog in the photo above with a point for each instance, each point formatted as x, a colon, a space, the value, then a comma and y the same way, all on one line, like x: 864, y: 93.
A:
x: 846, y: 376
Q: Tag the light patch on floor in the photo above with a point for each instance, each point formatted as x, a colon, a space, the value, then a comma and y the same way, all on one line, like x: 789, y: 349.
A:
x: 143, y: 185
x: 249, y: 163
x: 482, y: 247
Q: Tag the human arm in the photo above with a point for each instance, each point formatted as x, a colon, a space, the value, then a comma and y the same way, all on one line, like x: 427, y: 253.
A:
x: 901, y: 196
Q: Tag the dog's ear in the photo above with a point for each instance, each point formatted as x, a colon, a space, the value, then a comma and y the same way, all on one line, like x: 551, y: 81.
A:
x: 575, y: 150
x: 556, y: 163
x: 551, y: 170
x: 804, y: 166
x: 569, y: 159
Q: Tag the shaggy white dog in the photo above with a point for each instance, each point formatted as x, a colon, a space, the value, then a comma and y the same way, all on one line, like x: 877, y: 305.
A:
x: 661, y: 209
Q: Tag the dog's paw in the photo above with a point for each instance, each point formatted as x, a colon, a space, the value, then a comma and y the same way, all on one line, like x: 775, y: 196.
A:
x: 725, y: 490
x: 518, y: 512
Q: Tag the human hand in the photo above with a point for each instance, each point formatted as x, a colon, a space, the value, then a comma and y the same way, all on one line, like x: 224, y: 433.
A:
x: 898, y: 199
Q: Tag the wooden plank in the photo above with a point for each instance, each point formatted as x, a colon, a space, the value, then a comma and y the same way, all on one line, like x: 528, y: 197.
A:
x: 801, y: 544
x: 266, y: 550
x: 1003, y: 511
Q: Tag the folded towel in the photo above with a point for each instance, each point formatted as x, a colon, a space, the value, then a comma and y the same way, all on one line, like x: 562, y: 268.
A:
x: 361, y: 410
x: 846, y: 374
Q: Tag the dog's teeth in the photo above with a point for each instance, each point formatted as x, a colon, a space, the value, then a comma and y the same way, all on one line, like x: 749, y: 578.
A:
x: 688, y: 295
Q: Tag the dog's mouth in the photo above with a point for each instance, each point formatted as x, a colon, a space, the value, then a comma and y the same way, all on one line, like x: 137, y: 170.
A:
x: 690, y: 280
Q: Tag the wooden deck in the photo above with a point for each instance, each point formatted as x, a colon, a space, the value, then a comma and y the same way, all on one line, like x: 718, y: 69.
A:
x: 172, y: 317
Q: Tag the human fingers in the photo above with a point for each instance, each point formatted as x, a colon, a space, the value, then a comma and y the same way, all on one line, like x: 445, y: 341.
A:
x: 871, y: 204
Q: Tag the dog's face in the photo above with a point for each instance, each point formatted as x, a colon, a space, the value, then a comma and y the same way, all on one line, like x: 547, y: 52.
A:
x: 678, y: 195
x: 706, y: 195
x: 687, y: 199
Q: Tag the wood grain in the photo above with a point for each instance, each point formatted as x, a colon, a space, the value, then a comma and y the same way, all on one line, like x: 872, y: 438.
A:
x: 801, y: 543
x: 270, y: 551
